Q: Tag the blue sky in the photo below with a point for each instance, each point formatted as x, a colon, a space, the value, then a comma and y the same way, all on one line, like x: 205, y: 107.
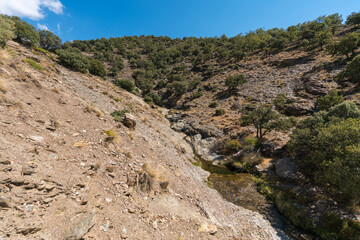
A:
x: 90, y: 19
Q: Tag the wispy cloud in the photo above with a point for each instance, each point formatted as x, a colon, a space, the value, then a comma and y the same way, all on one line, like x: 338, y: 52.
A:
x: 58, y: 27
x: 42, y: 27
x: 33, y: 9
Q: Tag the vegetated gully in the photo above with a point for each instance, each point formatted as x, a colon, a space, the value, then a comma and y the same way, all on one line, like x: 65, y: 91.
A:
x: 240, y: 189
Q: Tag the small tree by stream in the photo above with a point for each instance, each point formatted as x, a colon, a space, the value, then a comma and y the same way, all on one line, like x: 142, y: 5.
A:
x: 265, y: 120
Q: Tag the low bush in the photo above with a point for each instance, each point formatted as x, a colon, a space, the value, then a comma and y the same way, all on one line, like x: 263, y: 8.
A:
x: 125, y: 84
x: 213, y: 105
x: 219, y: 112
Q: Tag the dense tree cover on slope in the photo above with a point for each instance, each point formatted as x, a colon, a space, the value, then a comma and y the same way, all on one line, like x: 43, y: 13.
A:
x: 327, y: 146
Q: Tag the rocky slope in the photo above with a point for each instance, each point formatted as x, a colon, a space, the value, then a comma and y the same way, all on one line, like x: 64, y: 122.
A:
x: 69, y: 171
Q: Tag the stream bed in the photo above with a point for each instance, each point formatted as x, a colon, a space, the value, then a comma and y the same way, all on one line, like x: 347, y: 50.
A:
x: 240, y: 189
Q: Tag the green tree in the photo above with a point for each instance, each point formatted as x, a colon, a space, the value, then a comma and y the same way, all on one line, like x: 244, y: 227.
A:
x: 265, y: 120
x: 346, y: 45
x: 6, y: 30
x: 329, y: 100
x: 328, y: 150
x: 25, y: 33
x: 321, y: 38
x: 233, y: 82
x: 353, y: 19
x: 49, y: 41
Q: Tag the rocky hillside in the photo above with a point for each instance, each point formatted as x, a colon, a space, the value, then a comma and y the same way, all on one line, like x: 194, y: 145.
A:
x: 69, y: 171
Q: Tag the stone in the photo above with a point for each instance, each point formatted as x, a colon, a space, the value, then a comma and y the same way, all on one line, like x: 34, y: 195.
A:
x: 83, y: 224
x: 37, y: 138
x: 4, y: 203
x: 27, y: 170
x: 110, y: 169
x: 5, y: 162
x: 129, y: 121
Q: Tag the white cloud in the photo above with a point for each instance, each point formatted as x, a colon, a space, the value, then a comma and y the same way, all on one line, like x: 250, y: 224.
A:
x: 33, y: 9
x: 58, y: 27
x: 42, y: 27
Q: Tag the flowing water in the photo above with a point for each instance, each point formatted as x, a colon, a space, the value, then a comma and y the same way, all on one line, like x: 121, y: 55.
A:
x: 240, y: 189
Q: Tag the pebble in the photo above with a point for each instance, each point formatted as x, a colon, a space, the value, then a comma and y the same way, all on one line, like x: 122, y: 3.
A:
x: 37, y: 138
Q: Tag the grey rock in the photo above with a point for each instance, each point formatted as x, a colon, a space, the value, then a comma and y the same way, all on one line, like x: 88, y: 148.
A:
x: 298, y: 109
x: 84, y: 223
x: 27, y: 170
x: 194, y: 127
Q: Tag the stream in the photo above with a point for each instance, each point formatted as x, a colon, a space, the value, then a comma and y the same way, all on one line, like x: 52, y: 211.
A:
x: 240, y: 189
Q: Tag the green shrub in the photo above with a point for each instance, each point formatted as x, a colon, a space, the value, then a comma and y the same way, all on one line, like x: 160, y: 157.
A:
x: 327, y: 147
x: 329, y: 100
x: 119, y: 115
x: 197, y: 94
x: 96, y: 68
x: 125, y: 84
x: 232, y: 146
x: 219, y: 112
x: 34, y: 64
x: 234, y: 81
x: 213, y: 105
x: 279, y: 101
x: 72, y: 57
x: 178, y: 87
x: 351, y: 72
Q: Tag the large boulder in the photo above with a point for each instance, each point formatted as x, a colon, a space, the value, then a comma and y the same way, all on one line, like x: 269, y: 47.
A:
x: 298, y: 108
x: 288, y: 169
x: 194, y: 127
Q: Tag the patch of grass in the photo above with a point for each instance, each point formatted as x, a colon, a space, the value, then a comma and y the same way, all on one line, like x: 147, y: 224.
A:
x: 47, y: 53
x: 34, y: 64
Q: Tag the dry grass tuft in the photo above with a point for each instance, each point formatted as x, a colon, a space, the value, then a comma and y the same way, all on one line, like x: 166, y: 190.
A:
x: 91, y: 108
x: 56, y: 90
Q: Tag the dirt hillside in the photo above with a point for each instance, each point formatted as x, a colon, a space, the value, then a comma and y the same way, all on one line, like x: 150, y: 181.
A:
x: 69, y: 171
